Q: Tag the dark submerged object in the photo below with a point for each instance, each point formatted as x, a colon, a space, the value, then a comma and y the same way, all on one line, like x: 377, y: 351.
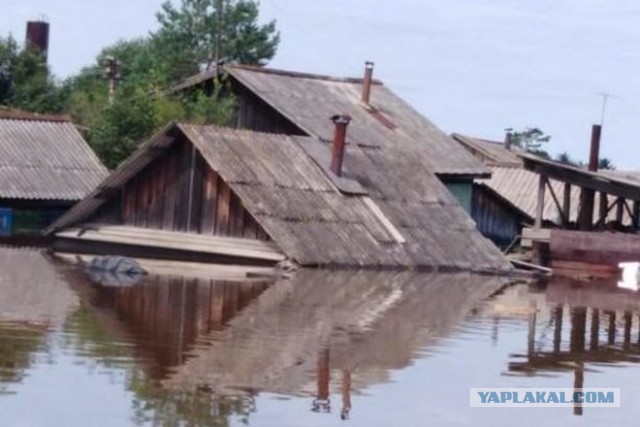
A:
x: 115, y: 271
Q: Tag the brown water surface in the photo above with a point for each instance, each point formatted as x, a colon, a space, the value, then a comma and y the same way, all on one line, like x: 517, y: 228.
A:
x: 318, y: 349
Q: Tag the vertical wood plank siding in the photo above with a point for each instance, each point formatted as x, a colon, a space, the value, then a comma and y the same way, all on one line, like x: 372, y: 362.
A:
x: 180, y: 192
x: 171, y: 313
x: 493, y: 219
x: 254, y: 114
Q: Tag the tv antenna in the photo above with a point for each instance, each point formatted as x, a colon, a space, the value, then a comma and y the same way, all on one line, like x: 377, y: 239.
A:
x: 605, y: 99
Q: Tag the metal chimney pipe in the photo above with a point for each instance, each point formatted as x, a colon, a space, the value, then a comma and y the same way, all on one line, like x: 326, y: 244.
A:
x: 594, y: 152
x: 367, y: 82
x: 507, y: 140
x: 38, y: 38
x: 339, y: 142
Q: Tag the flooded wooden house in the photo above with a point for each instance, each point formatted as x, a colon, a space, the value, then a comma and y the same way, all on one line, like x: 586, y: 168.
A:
x: 209, y: 194
x: 45, y: 167
x: 295, y: 103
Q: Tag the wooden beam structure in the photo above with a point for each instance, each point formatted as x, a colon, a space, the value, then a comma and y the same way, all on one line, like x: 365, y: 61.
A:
x: 540, y: 206
x: 582, y: 178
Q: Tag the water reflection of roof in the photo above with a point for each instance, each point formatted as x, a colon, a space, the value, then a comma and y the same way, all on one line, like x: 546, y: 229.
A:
x: 370, y: 322
x: 31, y: 289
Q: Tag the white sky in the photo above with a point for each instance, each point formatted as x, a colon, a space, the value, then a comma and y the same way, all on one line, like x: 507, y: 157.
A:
x: 471, y: 66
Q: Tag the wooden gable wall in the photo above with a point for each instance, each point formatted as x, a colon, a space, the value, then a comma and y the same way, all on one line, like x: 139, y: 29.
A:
x: 178, y: 191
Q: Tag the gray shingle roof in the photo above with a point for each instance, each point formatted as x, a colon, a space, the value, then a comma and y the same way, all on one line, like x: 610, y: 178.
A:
x: 312, y: 221
x: 45, y: 158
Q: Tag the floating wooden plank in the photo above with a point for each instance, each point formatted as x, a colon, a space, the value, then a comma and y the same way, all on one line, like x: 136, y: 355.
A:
x: 227, y: 246
x: 188, y: 269
x: 529, y: 266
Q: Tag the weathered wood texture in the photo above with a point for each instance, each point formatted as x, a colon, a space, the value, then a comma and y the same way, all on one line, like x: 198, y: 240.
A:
x: 494, y: 218
x: 180, y: 192
x: 607, y: 249
x: 166, y: 316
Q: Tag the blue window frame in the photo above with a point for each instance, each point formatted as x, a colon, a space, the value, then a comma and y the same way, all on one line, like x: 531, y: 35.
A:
x: 6, y: 221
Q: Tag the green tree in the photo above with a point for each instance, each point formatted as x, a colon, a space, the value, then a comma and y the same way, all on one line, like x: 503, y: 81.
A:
x: 603, y: 164
x: 199, y: 32
x: 531, y: 140
x: 565, y: 158
x: 606, y: 164
x: 26, y: 82
x: 140, y: 106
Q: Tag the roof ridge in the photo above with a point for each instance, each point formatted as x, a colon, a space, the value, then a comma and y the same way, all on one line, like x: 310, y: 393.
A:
x: 229, y: 129
x: 8, y: 113
x: 299, y: 74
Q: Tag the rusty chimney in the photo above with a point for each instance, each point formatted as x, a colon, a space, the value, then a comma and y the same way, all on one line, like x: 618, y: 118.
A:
x: 367, y: 82
x: 38, y: 37
x: 508, y: 140
x: 594, y: 151
x: 339, y: 142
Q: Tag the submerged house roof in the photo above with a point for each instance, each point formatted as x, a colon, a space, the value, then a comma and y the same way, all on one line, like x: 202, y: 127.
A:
x: 383, y: 212
x: 306, y: 100
x: 45, y: 158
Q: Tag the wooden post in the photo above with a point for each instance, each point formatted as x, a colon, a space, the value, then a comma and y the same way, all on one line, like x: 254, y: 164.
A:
x: 595, y: 329
x: 612, y: 328
x: 531, y: 337
x: 619, y: 210
x: 604, y: 208
x: 540, y: 207
x: 557, y: 331
x: 585, y: 222
x: 566, y: 202
x: 628, y: 323
x: 577, y: 345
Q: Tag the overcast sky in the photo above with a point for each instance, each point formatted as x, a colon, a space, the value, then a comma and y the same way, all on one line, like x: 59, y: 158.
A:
x: 471, y: 66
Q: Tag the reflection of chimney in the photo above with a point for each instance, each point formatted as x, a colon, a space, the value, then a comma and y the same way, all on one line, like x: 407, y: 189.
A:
x: 346, y: 395
x: 38, y: 37
x: 507, y: 140
x: 367, y: 82
x: 322, y: 403
x: 339, y: 142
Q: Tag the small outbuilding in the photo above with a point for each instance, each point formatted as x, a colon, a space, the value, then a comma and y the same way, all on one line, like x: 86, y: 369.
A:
x: 45, y: 167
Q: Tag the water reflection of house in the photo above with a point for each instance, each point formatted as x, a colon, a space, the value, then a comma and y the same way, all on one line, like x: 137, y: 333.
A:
x: 240, y: 196
x: 588, y: 327
x: 45, y: 167
x: 312, y: 334
x: 31, y: 289
x: 33, y: 300
x: 165, y: 316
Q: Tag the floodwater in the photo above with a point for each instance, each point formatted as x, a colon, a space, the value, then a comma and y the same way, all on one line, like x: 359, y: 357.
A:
x: 318, y: 349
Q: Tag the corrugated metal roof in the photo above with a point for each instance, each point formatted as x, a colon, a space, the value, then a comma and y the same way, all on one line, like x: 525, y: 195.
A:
x: 309, y: 100
x: 44, y: 158
x: 492, y: 153
x: 311, y: 221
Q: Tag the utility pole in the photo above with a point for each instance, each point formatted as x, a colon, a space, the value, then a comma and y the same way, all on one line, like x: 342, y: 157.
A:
x: 111, y: 73
x: 219, y: 21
